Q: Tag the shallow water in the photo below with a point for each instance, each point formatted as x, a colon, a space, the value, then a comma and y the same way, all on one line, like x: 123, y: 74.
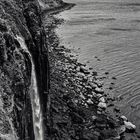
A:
x: 110, y: 30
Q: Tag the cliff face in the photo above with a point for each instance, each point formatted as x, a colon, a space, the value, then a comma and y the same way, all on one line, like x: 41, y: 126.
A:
x: 21, y: 18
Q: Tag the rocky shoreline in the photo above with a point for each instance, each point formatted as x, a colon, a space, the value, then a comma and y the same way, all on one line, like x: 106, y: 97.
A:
x: 78, y: 100
x: 72, y: 101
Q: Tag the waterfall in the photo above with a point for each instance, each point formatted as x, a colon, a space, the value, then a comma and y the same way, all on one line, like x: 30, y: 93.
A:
x: 35, y: 100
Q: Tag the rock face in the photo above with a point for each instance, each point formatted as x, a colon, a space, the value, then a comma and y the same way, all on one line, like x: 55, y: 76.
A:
x: 21, y: 18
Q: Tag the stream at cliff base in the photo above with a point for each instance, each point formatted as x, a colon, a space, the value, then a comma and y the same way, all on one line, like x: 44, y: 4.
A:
x: 106, y: 34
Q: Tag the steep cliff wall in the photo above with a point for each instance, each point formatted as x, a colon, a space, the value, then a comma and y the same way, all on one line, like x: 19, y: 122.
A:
x: 21, y: 18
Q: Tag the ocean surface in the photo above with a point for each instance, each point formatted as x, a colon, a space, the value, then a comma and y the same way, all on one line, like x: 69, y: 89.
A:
x: 105, y: 34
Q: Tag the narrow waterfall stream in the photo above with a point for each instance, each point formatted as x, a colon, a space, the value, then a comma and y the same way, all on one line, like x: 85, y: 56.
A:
x: 35, y: 101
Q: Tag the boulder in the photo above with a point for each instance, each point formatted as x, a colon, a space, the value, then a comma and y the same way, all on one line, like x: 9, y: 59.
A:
x: 94, y: 94
x: 99, y: 95
x: 88, y: 87
x: 94, y: 73
x: 84, y: 70
x: 93, y: 85
x: 129, y: 126
x: 99, y: 83
x: 117, y: 110
x: 124, y: 118
x: 102, y: 99
x: 102, y: 105
x: 89, y: 101
x: 81, y: 75
x: 99, y: 90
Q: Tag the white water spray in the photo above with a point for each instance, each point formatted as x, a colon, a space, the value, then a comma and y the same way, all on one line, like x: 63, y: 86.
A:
x: 35, y: 101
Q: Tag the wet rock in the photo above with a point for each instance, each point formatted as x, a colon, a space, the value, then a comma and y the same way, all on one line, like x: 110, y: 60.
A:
x: 81, y: 75
x: 93, y: 85
x: 98, y: 83
x: 90, y: 78
x: 84, y: 70
x: 78, y: 69
x: 106, y: 73
x: 93, y: 94
x: 99, y: 95
x: 114, y: 78
x: 88, y: 87
x: 99, y: 90
x: 85, y: 79
x: 116, y: 109
x: 89, y: 101
x: 102, y: 99
x: 94, y: 73
x: 123, y: 118
x: 110, y: 88
x: 129, y: 126
x: 102, y: 105
x: 90, y: 96
x: 112, y: 83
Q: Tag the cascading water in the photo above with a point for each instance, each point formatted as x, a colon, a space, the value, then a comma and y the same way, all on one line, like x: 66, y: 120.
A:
x: 35, y: 101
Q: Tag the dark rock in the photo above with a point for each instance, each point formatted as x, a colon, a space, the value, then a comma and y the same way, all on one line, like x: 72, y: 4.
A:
x: 99, y: 90
x: 106, y: 73
x: 129, y: 127
x: 116, y: 109
x: 114, y: 78
x: 110, y: 105
x: 90, y: 68
x: 94, y: 73
x: 110, y: 88
x: 84, y: 70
